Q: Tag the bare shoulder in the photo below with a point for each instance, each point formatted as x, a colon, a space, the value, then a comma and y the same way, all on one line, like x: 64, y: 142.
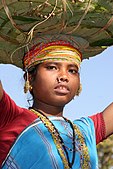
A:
x: 1, y: 90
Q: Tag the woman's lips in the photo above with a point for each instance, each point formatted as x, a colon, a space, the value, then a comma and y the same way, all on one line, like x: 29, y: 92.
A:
x: 61, y: 89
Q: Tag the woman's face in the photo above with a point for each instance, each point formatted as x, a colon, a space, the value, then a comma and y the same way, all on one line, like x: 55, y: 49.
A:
x: 56, y: 82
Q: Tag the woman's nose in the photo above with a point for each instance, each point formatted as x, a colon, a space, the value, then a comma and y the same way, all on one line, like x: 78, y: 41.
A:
x: 62, y: 78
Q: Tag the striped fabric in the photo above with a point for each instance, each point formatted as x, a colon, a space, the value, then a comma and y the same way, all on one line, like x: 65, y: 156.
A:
x: 57, y: 50
x: 35, y: 149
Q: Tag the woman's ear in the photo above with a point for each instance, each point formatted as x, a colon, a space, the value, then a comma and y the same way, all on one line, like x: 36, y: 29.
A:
x: 29, y: 77
x: 79, y: 90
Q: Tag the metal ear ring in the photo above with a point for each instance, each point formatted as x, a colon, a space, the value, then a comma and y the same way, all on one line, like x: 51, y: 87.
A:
x: 79, y: 90
x: 30, y: 88
x: 27, y: 86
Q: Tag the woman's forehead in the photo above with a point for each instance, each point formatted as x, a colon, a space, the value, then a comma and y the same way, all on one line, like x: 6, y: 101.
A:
x: 60, y: 63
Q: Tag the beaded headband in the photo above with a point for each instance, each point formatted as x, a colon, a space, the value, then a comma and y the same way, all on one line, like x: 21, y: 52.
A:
x: 56, y: 50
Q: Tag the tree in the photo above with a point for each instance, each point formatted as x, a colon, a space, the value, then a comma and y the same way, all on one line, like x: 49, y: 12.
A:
x: 105, y: 153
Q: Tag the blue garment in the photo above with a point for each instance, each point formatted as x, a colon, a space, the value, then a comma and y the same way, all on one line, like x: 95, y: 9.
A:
x: 35, y: 148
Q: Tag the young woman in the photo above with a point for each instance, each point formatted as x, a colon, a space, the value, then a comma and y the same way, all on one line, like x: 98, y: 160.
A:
x: 42, y: 137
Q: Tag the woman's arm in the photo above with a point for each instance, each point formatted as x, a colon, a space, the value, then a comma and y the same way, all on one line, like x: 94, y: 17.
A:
x: 103, y: 123
x: 1, y: 90
x: 8, y: 109
x: 108, y: 119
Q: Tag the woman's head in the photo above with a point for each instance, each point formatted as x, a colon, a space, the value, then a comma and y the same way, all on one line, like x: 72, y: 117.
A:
x: 56, y: 78
x: 55, y: 82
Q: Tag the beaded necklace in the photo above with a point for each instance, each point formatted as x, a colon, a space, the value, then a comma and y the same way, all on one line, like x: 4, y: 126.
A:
x: 60, y: 144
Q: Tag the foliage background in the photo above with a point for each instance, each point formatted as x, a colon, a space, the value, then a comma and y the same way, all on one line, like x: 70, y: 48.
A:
x: 105, y: 153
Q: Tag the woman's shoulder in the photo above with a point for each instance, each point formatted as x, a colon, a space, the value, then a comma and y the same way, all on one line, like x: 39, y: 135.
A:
x: 84, y: 121
x: 86, y: 125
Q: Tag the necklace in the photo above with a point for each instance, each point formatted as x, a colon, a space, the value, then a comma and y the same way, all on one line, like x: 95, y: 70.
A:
x: 60, y: 144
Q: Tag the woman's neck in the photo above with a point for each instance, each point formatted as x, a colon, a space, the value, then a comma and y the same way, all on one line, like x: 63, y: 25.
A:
x: 48, y: 110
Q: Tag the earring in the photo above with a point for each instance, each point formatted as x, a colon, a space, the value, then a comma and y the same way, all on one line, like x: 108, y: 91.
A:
x: 27, y: 86
x: 79, y: 90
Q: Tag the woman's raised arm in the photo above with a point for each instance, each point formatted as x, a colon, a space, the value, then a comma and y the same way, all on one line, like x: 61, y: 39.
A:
x: 108, y: 118
x: 1, y: 90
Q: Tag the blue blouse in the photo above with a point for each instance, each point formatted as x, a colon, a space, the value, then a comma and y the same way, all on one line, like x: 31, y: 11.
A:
x: 35, y: 148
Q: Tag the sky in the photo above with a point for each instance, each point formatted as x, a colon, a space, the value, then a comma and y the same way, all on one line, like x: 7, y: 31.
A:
x: 96, y: 76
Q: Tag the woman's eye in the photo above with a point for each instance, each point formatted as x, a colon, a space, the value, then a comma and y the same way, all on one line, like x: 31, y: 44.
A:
x: 73, y: 71
x: 51, y: 67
